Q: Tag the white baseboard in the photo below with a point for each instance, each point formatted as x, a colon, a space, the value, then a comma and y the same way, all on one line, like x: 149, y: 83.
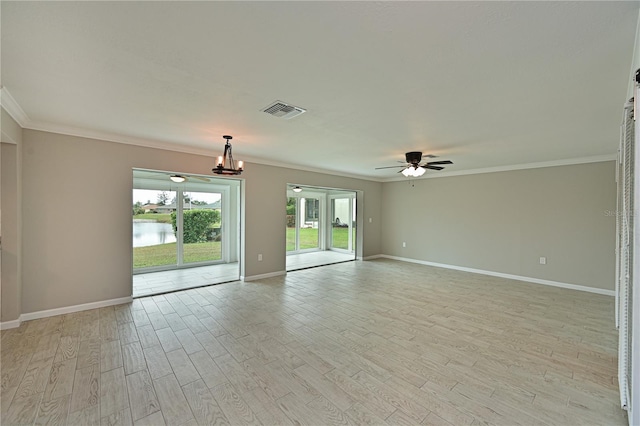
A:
x: 375, y: 256
x: 502, y: 275
x: 10, y: 324
x: 263, y: 276
x: 64, y: 310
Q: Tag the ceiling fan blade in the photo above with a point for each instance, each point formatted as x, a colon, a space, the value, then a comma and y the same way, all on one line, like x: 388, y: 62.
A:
x: 439, y: 162
x: 426, y: 166
x: 390, y: 167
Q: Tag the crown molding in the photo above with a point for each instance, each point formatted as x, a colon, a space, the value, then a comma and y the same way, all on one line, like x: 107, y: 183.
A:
x: 208, y: 152
x: 540, y: 165
x: 112, y: 137
x: 309, y: 169
x: 13, y: 108
x: 18, y: 114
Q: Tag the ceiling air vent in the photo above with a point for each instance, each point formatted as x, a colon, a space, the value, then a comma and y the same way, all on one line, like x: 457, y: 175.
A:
x: 283, y: 110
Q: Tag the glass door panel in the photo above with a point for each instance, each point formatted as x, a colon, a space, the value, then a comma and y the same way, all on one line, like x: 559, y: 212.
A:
x: 303, y: 220
x: 309, y: 220
x: 354, y: 222
x: 340, y: 227
x: 292, y: 209
x: 154, y: 239
x: 202, y: 227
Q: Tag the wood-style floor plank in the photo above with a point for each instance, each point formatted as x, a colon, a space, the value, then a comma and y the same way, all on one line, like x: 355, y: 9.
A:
x: 142, y: 396
x: 174, y: 405
x: 203, y: 405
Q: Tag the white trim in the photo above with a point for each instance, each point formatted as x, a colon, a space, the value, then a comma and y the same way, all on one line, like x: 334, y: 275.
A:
x: 508, y: 276
x: 6, y: 138
x: 111, y: 137
x: 74, y: 308
x: 263, y: 276
x: 13, y: 109
x: 64, y: 310
x: 554, y: 163
x: 10, y: 324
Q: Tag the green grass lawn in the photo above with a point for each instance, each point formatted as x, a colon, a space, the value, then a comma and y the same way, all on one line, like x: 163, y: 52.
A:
x: 158, y: 217
x: 165, y: 254
x: 309, y: 238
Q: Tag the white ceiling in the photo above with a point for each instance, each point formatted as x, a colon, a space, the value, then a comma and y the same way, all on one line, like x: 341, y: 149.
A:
x: 484, y: 84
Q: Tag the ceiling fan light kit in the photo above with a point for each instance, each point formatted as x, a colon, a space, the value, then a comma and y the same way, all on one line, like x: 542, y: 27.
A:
x: 412, y: 171
x: 225, y: 164
x: 177, y: 178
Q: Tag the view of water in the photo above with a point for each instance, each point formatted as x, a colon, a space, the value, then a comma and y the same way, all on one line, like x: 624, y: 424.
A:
x: 152, y: 233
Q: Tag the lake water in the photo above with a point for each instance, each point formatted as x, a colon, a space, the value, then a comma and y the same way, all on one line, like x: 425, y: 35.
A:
x: 152, y: 233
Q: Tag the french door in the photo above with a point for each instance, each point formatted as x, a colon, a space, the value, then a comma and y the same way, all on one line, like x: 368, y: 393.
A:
x: 320, y: 219
x: 343, y: 224
x: 305, y: 220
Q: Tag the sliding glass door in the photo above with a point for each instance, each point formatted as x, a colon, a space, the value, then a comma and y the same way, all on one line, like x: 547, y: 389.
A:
x: 186, y: 224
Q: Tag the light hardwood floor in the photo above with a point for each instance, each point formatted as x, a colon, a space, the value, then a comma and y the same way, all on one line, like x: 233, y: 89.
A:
x: 377, y: 342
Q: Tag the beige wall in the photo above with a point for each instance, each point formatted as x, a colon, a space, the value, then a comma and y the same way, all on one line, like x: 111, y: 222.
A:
x: 504, y: 222
x: 77, y: 215
x: 10, y: 225
x: 77, y: 227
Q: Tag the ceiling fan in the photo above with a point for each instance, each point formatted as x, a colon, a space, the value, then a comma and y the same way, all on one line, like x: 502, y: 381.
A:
x: 412, y: 166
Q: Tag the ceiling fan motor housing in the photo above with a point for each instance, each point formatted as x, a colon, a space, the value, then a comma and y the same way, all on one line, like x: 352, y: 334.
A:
x: 413, y: 157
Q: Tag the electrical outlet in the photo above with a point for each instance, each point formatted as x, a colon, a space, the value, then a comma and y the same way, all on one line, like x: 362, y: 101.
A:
x: 260, y: 257
x: 543, y: 260
x: 404, y: 244
x: 370, y: 220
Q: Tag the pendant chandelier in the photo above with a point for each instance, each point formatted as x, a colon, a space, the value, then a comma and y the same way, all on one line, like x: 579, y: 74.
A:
x: 225, y: 164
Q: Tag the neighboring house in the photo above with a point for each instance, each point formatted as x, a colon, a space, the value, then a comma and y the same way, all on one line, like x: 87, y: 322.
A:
x: 148, y: 208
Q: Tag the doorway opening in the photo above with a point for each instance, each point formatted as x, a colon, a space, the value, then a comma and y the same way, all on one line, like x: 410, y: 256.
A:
x: 185, y: 234
x: 321, y: 226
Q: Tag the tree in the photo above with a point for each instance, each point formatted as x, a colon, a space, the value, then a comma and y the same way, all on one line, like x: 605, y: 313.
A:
x: 137, y: 208
x: 163, y: 197
x: 291, y: 206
